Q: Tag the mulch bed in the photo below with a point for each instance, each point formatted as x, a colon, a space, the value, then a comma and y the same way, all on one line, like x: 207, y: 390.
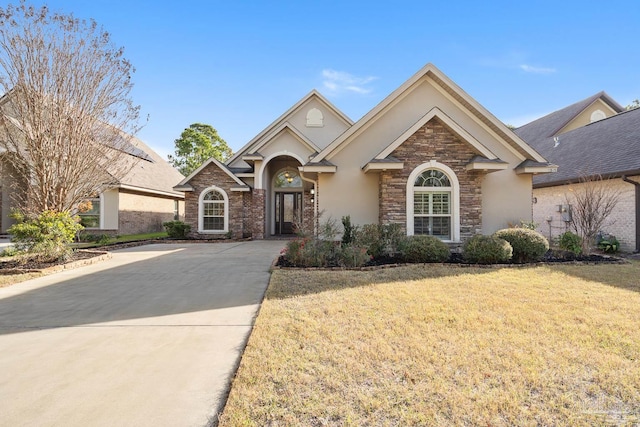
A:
x: 22, y: 265
x: 551, y: 257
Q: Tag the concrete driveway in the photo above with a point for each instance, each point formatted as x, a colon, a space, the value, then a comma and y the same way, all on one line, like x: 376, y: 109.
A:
x: 151, y: 337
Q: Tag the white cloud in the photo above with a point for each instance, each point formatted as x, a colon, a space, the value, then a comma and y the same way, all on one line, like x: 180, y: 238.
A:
x: 537, y: 70
x: 339, y: 81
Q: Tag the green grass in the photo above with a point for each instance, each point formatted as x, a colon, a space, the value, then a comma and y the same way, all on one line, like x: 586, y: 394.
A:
x: 444, y: 345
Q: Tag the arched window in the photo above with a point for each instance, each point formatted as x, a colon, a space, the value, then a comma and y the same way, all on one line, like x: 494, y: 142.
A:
x: 214, y: 211
x: 287, y: 179
x: 433, y: 202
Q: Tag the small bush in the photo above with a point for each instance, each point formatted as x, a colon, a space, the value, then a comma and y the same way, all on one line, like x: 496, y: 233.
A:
x: 569, y: 241
x: 487, y: 250
x: 310, y: 252
x: 609, y: 244
x: 528, y: 245
x: 379, y: 239
x: 46, y: 236
x: 351, y: 256
x: 176, y: 229
x: 424, y: 249
x: 349, y: 230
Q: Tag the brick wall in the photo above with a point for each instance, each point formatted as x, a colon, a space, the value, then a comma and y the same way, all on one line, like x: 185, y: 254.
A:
x: 213, y: 175
x: 621, y: 223
x: 433, y: 142
x: 141, y: 213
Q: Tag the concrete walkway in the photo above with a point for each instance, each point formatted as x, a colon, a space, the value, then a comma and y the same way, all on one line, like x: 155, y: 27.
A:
x: 151, y: 337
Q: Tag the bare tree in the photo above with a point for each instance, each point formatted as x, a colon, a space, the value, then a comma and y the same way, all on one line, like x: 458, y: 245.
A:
x: 592, y: 201
x: 66, y: 117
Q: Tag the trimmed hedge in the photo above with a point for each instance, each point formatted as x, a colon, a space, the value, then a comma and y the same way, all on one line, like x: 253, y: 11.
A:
x: 424, y: 249
x: 486, y: 250
x: 528, y: 245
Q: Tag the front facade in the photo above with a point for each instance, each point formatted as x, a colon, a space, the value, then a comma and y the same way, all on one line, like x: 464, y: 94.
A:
x: 595, y: 138
x: 428, y: 157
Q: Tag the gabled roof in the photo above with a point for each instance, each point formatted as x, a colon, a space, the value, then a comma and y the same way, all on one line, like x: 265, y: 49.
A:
x: 266, y: 132
x: 552, y: 123
x: 609, y: 147
x: 478, y: 112
x: 184, y: 184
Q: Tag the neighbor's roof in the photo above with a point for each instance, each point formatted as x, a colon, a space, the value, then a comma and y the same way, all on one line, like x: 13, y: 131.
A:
x: 552, y: 123
x: 609, y: 147
x: 151, y: 173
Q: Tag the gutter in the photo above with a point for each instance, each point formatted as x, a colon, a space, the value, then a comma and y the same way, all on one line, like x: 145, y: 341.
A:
x: 637, y: 223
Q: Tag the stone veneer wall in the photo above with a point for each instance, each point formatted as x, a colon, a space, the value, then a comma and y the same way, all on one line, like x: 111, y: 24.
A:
x: 213, y: 175
x: 433, y: 142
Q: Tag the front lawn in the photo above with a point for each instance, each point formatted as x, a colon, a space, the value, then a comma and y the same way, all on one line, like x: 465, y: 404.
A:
x: 444, y: 345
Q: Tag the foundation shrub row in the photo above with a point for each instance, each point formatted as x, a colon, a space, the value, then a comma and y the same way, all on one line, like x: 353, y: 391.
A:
x: 373, y: 244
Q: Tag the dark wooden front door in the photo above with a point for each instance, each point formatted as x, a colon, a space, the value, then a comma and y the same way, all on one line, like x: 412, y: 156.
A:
x: 288, y: 210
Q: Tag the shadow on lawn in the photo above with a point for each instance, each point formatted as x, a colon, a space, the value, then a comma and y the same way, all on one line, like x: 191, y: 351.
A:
x: 623, y: 276
x: 288, y: 283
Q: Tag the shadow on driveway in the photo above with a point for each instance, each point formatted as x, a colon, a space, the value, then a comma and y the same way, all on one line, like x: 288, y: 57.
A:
x: 149, y: 282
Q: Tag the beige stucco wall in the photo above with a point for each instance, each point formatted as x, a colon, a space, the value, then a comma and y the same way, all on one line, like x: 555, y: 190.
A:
x: 321, y: 136
x: 621, y: 223
x: 584, y: 118
x: 506, y: 199
x: 332, y: 127
x: 109, y: 209
x: 506, y: 196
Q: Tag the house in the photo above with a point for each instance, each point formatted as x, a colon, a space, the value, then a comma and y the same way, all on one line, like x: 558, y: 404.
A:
x: 139, y: 202
x: 595, y: 137
x: 428, y: 157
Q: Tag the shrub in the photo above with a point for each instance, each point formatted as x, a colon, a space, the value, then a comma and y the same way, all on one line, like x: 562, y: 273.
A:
x: 609, y: 244
x: 351, y: 256
x: 311, y: 252
x: 349, y: 230
x: 176, y: 229
x: 569, y: 241
x: 424, y: 249
x: 487, y: 250
x: 528, y: 245
x: 46, y: 236
x: 379, y: 239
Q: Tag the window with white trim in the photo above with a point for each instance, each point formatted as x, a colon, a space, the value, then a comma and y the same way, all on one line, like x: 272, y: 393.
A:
x: 432, y: 209
x: 90, y: 216
x: 213, y: 211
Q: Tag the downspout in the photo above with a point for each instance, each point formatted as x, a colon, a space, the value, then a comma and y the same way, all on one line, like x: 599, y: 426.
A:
x: 637, y: 185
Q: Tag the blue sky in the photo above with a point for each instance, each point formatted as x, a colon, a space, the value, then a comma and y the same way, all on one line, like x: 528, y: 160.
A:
x: 238, y: 65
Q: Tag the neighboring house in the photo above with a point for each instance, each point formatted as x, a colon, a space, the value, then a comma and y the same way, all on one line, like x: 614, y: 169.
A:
x: 141, y: 201
x: 595, y: 137
x: 428, y: 157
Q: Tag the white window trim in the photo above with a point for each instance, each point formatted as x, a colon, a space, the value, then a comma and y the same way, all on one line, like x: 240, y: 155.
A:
x: 201, y: 211
x: 455, y: 197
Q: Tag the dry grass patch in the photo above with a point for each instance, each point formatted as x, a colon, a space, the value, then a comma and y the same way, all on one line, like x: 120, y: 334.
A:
x: 443, y: 345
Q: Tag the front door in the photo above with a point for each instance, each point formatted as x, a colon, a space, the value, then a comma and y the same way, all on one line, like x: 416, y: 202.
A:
x: 288, y: 210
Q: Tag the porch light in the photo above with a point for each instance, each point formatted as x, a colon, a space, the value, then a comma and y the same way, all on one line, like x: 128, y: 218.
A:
x: 313, y: 191
x: 288, y: 177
